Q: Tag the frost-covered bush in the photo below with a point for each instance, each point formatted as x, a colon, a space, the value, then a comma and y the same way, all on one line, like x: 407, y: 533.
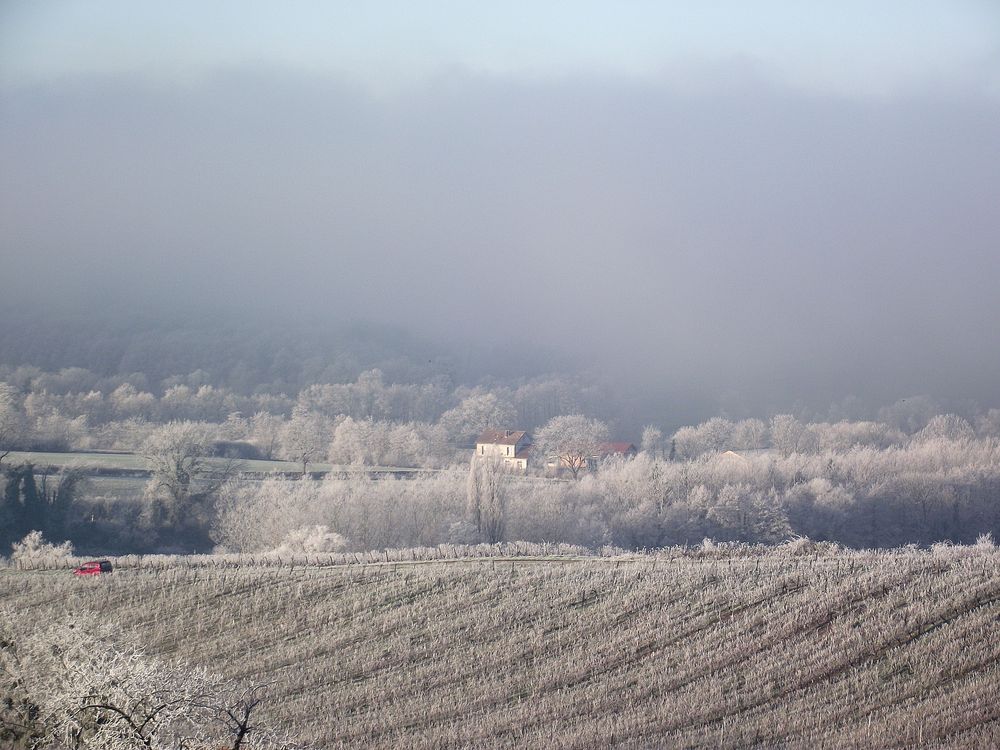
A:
x: 34, y: 552
x: 803, y: 545
x: 307, y: 539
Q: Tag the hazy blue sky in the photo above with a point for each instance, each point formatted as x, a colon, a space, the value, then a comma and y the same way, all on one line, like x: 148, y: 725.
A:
x: 760, y: 200
x: 851, y: 46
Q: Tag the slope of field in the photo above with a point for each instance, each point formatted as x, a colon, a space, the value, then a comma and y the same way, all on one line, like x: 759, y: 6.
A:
x: 840, y: 650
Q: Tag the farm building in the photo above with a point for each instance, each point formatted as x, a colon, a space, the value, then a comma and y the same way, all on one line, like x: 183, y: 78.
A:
x: 513, y: 446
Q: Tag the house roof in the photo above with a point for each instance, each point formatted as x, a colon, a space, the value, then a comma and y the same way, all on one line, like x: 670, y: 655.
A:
x: 501, y: 437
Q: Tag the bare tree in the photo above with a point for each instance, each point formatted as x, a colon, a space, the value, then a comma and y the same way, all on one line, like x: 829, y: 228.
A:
x: 947, y: 426
x: 652, y: 441
x: 788, y: 435
x: 79, y: 685
x: 178, y: 455
x: 305, y: 436
x: 359, y: 442
x: 572, y: 441
x: 265, y: 432
x: 486, y: 494
x: 476, y: 412
x: 749, y: 434
x: 257, y: 516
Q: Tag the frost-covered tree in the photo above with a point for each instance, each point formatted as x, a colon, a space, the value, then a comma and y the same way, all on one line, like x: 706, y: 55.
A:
x: 686, y: 443
x: 843, y: 436
x: 359, y: 442
x: 717, y: 434
x: 788, y: 435
x: 819, y: 509
x: 712, y: 436
x: 635, y: 498
x: 365, y: 442
x: 58, y: 493
x: 571, y: 441
x: 486, y: 497
x: 265, y: 432
x: 184, y: 480
x: 129, y: 402
x: 36, y: 503
x: 477, y: 412
x: 236, y: 427
x: 79, y: 684
x: 749, y: 515
x: 54, y: 430
x: 257, y: 516
x: 749, y: 434
x: 652, y: 441
x: 947, y: 427
x: 305, y: 437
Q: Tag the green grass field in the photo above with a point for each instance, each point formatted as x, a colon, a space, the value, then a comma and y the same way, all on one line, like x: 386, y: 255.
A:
x: 896, y: 649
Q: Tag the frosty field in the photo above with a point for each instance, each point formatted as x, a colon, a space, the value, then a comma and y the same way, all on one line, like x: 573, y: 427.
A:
x: 728, y: 648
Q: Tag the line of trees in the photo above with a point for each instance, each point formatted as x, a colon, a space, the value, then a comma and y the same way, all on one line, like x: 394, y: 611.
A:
x: 932, y: 490
x: 651, y: 501
x: 373, y: 422
x: 940, y: 484
x: 76, y: 410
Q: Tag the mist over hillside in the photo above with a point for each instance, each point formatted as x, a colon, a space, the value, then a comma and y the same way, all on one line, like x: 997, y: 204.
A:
x: 723, y: 242
x: 251, y: 353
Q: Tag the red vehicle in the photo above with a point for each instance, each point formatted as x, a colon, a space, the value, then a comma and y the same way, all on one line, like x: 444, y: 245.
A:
x: 93, y: 568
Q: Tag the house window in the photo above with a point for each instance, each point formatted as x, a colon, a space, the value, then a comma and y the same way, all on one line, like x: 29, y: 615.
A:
x: 482, y: 450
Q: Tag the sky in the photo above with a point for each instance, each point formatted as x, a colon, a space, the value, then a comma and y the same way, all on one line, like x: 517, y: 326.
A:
x: 850, y: 47
x: 760, y: 201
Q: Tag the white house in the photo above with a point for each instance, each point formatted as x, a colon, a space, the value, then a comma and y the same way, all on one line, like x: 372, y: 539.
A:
x: 510, y: 445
